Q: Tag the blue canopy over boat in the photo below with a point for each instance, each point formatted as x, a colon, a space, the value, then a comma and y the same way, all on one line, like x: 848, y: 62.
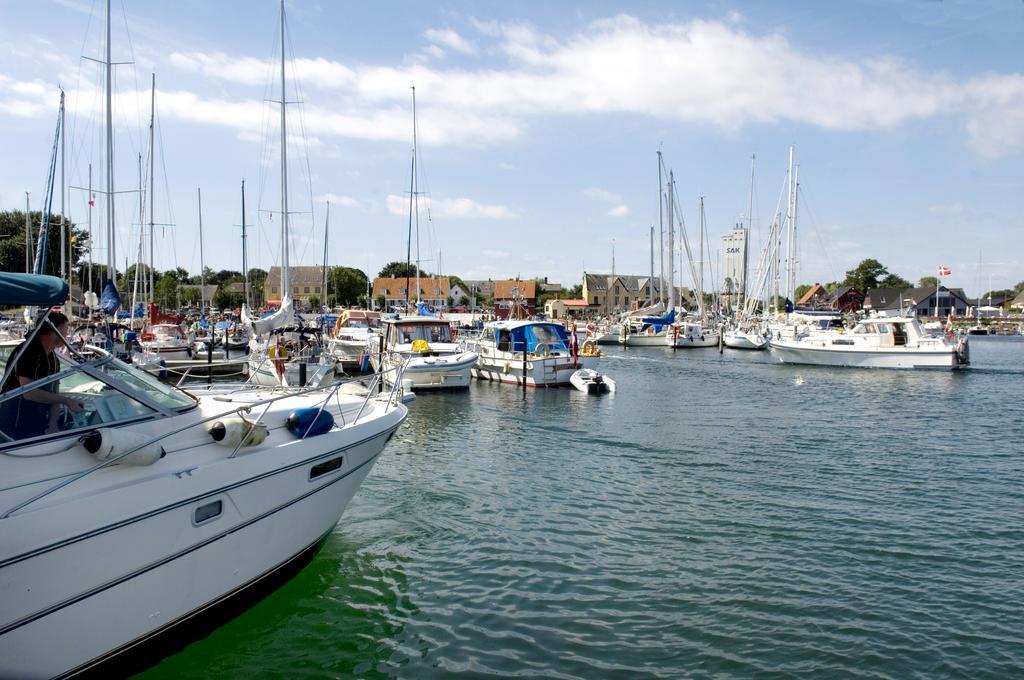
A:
x: 535, y: 335
x: 423, y: 310
x: 658, y: 321
x: 32, y: 289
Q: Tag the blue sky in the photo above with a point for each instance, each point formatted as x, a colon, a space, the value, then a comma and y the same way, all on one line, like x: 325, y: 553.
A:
x: 539, y: 124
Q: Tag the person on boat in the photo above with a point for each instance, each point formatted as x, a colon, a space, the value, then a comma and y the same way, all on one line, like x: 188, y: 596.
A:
x: 574, y: 344
x: 36, y: 412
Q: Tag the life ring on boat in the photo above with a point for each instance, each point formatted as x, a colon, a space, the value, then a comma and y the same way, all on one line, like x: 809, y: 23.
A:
x: 278, y: 354
x: 589, y: 349
x: 420, y: 346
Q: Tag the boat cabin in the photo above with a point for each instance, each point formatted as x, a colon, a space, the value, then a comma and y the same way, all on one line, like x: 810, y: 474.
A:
x: 534, y: 337
x: 408, y: 330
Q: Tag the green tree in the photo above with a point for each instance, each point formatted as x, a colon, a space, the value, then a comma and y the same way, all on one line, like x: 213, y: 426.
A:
x: 928, y: 282
x: 894, y: 281
x: 12, y: 241
x: 257, y: 278
x: 802, y: 289
x: 190, y: 296
x: 314, y: 302
x: 346, y: 285
x: 574, y: 293
x: 165, y: 290
x: 380, y: 300
x: 396, y: 270
x: 868, y: 274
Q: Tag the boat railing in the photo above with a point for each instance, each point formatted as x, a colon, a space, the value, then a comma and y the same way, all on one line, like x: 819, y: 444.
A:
x: 242, y: 409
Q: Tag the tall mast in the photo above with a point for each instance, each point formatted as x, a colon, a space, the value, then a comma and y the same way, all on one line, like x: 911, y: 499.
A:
x: 789, y: 231
x: 661, y: 231
x: 89, y: 202
x: 408, y: 240
x: 138, y: 260
x: 202, y: 260
x: 285, y: 278
x: 700, y: 276
x: 28, y: 238
x: 327, y: 225
x: 650, y: 281
x: 750, y: 224
x: 793, y: 255
x: 111, y: 242
x: 416, y: 197
x: 245, y: 262
x: 152, y: 191
x: 671, y: 242
x: 65, y: 270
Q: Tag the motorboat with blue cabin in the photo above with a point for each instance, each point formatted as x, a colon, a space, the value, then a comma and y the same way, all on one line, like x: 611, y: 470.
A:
x: 536, y: 352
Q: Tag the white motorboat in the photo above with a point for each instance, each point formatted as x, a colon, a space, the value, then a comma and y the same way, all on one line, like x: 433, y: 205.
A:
x: 167, y: 341
x: 423, y: 350
x: 877, y: 342
x: 589, y: 381
x: 135, y: 517
x: 534, y: 352
x: 353, y: 336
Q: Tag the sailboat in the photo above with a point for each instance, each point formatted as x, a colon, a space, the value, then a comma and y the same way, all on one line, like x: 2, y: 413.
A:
x: 421, y: 347
x: 148, y: 512
x: 282, y: 352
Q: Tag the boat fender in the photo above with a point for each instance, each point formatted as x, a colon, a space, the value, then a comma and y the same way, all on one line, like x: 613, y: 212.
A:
x: 238, y: 431
x: 309, y: 422
x: 505, y: 369
x: 107, y: 442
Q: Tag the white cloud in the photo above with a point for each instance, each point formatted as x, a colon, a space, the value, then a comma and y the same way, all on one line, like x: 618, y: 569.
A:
x: 340, y: 200
x: 497, y: 254
x: 733, y: 77
x: 603, y: 195
x: 446, y: 37
x: 619, y: 211
x: 452, y: 207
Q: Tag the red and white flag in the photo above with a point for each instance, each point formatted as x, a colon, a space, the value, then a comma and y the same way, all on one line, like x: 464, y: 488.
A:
x: 944, y: 270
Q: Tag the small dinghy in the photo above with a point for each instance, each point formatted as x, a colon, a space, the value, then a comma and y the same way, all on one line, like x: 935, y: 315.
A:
x: 591, y: 382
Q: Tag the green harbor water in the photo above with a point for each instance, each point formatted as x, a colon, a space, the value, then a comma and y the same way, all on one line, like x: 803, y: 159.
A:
x: 720, y: 515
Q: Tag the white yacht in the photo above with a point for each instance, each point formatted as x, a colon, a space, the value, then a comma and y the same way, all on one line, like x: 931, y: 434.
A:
x: 535, y: 351
x: 167, y: 341
x: 130, y: 520
x: 423, y: 350
x: 877, y: 342
x: 739, y: 338
x: 687, y: 334
x: 353, y: 335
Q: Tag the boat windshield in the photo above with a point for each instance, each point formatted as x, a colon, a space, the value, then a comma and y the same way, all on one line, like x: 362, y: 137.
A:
x: 107, y: 390
x: 431, y: 332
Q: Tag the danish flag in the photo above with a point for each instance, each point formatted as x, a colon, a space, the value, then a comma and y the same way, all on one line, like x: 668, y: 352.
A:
x: 944, y: 270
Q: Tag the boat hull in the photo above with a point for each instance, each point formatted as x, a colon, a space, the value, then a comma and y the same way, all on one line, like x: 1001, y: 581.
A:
x: 744, y: 341
x: 554, y: 371
x: 445, y: 372
x: 800, y: 353
x: 75, y: 601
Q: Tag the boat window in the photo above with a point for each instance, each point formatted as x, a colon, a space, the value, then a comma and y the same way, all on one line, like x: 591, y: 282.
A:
x: 207, y: 512
x: 102, y: 404
x: 165, y: 395
x: 883, y: 328
x: 539, y: 335
x: 321, y: 469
